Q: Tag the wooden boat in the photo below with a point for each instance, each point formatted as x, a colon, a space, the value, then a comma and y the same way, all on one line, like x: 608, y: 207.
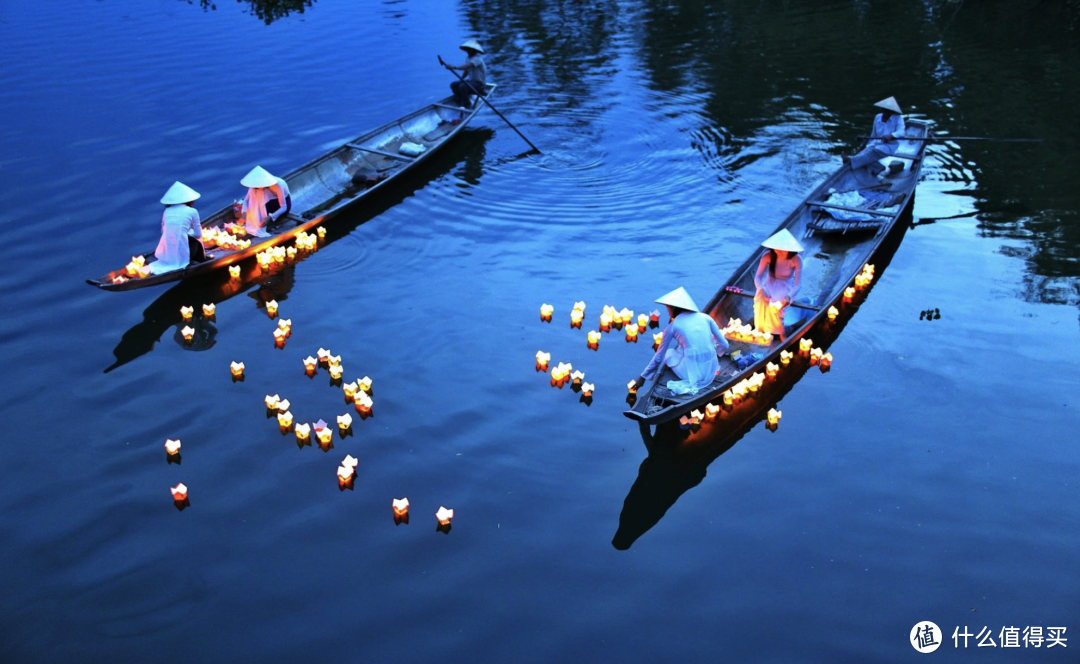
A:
x: 322, y: 188
x: 840, y: 239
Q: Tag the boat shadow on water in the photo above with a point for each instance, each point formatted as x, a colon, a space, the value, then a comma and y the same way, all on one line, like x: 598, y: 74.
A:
x: 275, y: 283
x: 678, y: 458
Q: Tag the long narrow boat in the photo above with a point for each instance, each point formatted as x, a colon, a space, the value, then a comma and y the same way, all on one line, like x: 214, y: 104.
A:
x: 320, y: 189
x: 841, y: 225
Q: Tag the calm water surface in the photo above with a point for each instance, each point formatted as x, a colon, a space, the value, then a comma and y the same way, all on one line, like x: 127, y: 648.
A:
x: 931, y: 475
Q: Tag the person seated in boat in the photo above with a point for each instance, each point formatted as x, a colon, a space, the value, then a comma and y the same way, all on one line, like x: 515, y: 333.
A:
x: 475, y: 82
x: 267, y: 200
x: 688, y: 357
x: 181, y: 231
x: 778, y: 278
x: 883, y: 141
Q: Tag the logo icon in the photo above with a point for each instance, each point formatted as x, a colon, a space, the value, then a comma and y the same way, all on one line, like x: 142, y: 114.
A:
x: 925, y: 636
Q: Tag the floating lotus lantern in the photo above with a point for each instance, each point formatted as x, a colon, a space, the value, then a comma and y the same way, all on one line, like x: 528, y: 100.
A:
x: 579, y: 306
x: 587, y: 389
x: 444, y: 516
x: 826, y: 361
x: 542, y: 359
x: 272, y: 401
x: 271, y: 308
x: 785, y: 357
x: 815, y: 355
x: 577, y: 377
x: 364, y: 384
x: 654, y: 318
x: 333, y: 360
x: 144, y: 271
x: 309, y: 364
x: 285, y: 419
x: 345, y: 473
x: 263, y: 259
x: 344, y: 422
x: 187, y: 312
x: 774, y: 416
x: 755, y: 382
x: 806, y: 344
x: 594, y: 338
x: 237, y: 369
x: 657, y: 339
x: 234, y: 272
x: 401, y: 506
x: 303, y: 432
x: 632, y: 333
x: 179, y: 492
x: 771, y: 369
x: 849, y: 293
x: 363, y: 403
x: 350, y: 461
x: 729, y: 398
x: 833, y: 313
x: 172, y: 447
x: 285, y: 325
x: 350, y: 389
x: 323, y: 354
x: 626, y: 316
x: 575, y: 318
x: 642, y: 322
x: 335, y: 371
x: 290, y: 253
x: 685, y: 422
x: 711, y: 410
x: 631, y: 387
x: 321, y: 230
x: 605, y: 322
x: 546, y: 310
x: 279, y: 336
x: 209, y: 309
x: 696, y: 416
x: 188, y: 333
x: 283, y: 406
x: 323, y: 432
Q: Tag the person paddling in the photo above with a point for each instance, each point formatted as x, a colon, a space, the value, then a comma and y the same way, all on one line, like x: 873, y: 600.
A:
x: 181, y: 231
x: 475, y: 75
x: 888, y: 127
x: 688, y: 357
x: 267, y: 200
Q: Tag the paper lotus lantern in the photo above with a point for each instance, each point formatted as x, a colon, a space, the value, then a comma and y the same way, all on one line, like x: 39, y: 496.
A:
x: 271, y: 308
x: 350, y: 461
x: 333, y: 360
x: 401, y: 506
x: 285, y: 419
x: 324, y: 434
x: 685, y: 422
x: 290, y: 253
x: 849, y: 293
x: 363, y: 403
x: 345, y: 473
x: 234, y: 272
x: 335, y: 371
x: 279, y: 335
x: 756, y: 381
x: 285, y: 325
x: 657, y: 339
x: 579, y: 306
x: 237, y: 369
x: 631, y: 387
x: 575, y: 318
x: 605, y: 322
x: 172, y: 447
x: 186, y: 312
x: 344, y: 421
x: 321, y: 231
x: 577, y: 377
x: 144, y: 271
x: 444, y: 515
x: 729, y: 397
x: 642, y: 322
x: 283, y: 406
x: 139, y: 261
x: 209, y: 309
x: 815, y: 355
x: 833, y: 313
x: 546, y: 310
x: 696, y: 416
x: 542, y: 359
x: 303, y: 431
x: 826, y: 360
x: 785, y: 356
x: 774, y: 416
x: 771, y: 369
x: 594, y: 337
x: 805, y: 344
x: 272, y: 401
x: 587, y: 389
x: 323, y: 354
x: 350, y: 389
x: 309, y: 363
x: 263, y: 258
x: 631, y: 332
x: 365, y: 384
x: 187, y: 332
x: 711, y: 410
x: 179, y: 492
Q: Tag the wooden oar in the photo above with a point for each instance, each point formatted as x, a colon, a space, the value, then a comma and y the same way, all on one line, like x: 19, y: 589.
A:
x: 958, y: 138
x: 462, y: 79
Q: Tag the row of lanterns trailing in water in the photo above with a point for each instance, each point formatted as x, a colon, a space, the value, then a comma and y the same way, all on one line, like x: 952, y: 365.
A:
x: 610, y: 318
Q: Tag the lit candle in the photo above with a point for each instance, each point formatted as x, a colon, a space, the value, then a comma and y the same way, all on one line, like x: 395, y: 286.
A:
x: 209, y: 309
x: 711, y: 411
x: 186, y: 312
x: 344, y: 422
x: 285, y: 420
x: 401, y: 506
x: 188, y: 332
x: 172, y: 446
x: 303, y: 431
x: 272, y: 401
x: 774, y: 416
x: 444, y: 515
x: 179, y: 492
x: 833, y: 313
x: 237, y: 368
x: 587, y: 389
x: 234, y: 272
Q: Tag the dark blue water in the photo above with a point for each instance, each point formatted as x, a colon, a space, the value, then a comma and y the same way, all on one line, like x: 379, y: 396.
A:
x: 931, y: 475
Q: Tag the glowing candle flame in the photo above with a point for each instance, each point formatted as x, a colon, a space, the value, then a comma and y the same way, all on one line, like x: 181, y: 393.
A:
x: 444, y: 515
x: 172, y: 446
x: 179, y: 492
x: 849, y: 293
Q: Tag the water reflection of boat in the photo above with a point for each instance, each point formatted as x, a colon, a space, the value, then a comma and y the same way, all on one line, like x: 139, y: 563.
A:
x: 842, y: 224
x: 323, y: 188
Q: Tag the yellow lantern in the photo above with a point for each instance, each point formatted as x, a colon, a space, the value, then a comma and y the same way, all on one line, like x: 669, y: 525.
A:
x: 209, y: 309
x: 309, y: 363
x: 363, y: 403
x: 774, y: 416
x: 575, y: 318
x: 139, y: 261
x: 350, y: 389
x: 234, y: 272
x: 546, y: 310
x: 186, y: 312
x: 272, y: 401
x: 815, y: 355
x: 144, y: 271
x: 285, y: 419
x: 187, y: 332
x: 179, y: 492
x: 631, y: 387
x: 283, y: 406
x: 849, y: 293
x: 579, y: 306
x: 642, y: 322
x: 401, y: 506
x: 729, y: 398
x: 587, y: 389
x: 285, y: 325
x: 771, y: 369
x: 631, y: 332
x: 345, y: 474
x: 333, y: 360
x: 279, y: 335
x: 365, y: 384
x: 657, y: 339
x: 805, y: 344
x: 324, y: 434
x: 172, y: 447
x: 594, y: 337
x: 271, y: 308
x: 826, y: 360
x: 303, y: 432
x: 335, y: 371
x: 785, y: 357
x: 605, y: 322
x: 542, y: 359
x: 290, y: 253
x: 711, y: 411
x: 321, y: 230
x: 344, y: 422
x: 444, y: 515
x: 833, y: 313
x: 237, y: 368
x: 696, y: 416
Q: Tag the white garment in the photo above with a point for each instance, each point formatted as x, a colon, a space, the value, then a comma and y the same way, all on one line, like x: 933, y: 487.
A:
x: 254, y: 209
x: 690, y: 347
x: 893, y: 127
x: 177, y: 223
x: 477, y: 73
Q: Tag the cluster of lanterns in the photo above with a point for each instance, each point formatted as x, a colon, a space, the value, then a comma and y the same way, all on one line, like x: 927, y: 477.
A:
x: 307, y: 241
x: 137, y: 268
x: 736, y: 330
x: 226, y: 239
x: 275, y: 256
x: 864, y: 277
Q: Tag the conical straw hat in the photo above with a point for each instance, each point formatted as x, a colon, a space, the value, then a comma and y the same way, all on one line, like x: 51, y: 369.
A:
x: 782, y: 240
x: 258, y: 177
x: 679, y: 298
x: 179, y: 193
x: 889, y: 104
x: 473, y: 44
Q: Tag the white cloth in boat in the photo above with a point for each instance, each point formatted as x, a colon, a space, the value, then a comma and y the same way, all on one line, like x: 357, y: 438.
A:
x: 177, y: 223
x: 769, y: 318
x: 254, y: 209
x: 853, y: 199
x: 690, y: 348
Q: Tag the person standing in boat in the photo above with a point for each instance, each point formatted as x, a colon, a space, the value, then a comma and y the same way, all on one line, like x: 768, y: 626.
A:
x: 883, y: 141
x: 778, y: 280
x: 181, y: 231
x: 475, y: 75
x: 688, y: 356
x: 267, y: 200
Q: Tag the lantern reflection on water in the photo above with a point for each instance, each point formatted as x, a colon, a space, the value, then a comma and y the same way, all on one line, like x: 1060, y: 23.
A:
x: 444, y: 515
x: 172, y: 447
x: 179, y: 492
